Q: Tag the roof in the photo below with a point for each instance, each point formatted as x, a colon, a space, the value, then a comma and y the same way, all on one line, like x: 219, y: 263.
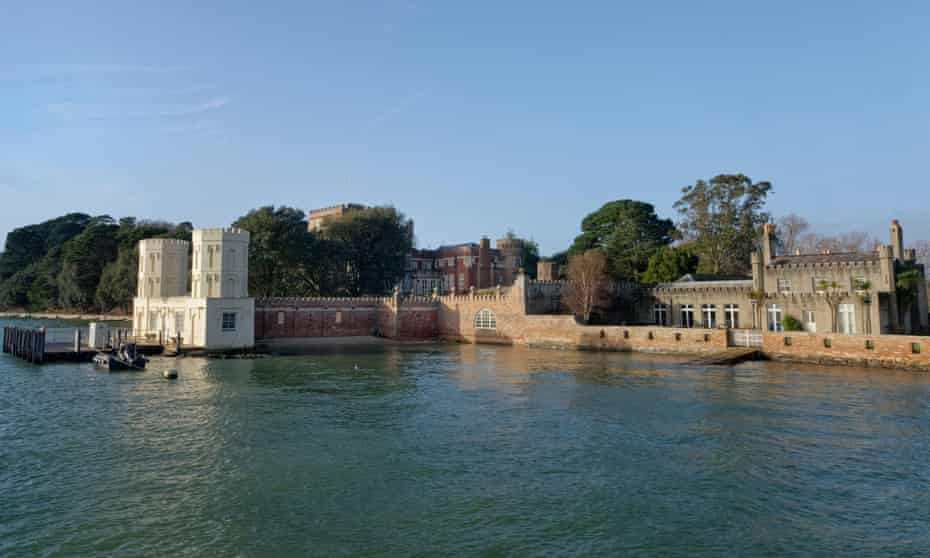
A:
x: 702, y: 277
x: 701, y: 280
x: 835, y: 257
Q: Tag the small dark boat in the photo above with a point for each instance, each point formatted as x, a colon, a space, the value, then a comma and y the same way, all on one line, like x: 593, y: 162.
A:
x: 126, y: 358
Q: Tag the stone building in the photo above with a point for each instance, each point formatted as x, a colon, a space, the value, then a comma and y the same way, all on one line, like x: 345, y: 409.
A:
x: 547, y: 270
x: 316, y: 218
x: 848, y: 293
x: 207, y: 304
x: 459, y: 268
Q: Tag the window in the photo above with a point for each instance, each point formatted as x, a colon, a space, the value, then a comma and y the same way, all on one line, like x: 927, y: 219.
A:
x: 709, y: 315
x: 810, y: 320
x: 280, y: 318
x: 660, y: 314
x: 229, y: 321
x: 774, y: 313
x: 461, y: 281
x: 210, y: 256
x: 687, y: 315
x: 338, y: 317
x: 731, y: 315
x: 153, y: 321
x: 847, y: 319
x: 784, y: 286
x: 485, y: 319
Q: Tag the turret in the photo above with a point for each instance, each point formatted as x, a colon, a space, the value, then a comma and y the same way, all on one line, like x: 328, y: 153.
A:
x: 897, y: 240
x: 220, y: 267
x: 162, y: 267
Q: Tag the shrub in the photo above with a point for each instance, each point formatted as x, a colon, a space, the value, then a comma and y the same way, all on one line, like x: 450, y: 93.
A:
x: 790, y: 323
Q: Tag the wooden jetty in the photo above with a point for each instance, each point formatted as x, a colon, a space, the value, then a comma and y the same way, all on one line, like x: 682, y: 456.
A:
x: 729, y: 357
x: 36, y: 346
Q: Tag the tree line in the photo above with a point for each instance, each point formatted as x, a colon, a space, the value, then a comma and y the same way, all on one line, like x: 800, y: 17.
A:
x: 90, y: 263
x: 718, y: 228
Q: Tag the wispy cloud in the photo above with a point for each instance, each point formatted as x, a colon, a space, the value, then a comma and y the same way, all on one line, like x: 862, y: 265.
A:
x: 200, y: 108
x: 111, y: 68
x: 113, y: 111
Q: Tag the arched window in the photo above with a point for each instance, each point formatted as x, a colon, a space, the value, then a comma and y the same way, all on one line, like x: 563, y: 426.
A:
x: 485, y: 319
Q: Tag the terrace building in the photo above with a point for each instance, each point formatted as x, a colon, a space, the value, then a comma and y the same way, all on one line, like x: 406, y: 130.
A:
x: 847, y: 293
x: 459, y: 268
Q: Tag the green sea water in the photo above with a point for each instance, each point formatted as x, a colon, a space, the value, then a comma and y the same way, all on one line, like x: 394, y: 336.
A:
x: 447, y: 450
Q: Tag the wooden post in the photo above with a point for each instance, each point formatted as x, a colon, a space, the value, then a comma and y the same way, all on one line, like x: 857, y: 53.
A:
x: 77, y: 340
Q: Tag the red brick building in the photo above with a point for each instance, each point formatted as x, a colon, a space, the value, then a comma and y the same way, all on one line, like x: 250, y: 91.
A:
x: 456, y: 269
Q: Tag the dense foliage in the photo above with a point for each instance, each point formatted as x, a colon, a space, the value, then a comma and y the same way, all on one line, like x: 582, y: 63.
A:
x: 363, y: 252
x: 76, y: 262
x: 670, y: 263
x: 628, y: 232
x: 722, y: 218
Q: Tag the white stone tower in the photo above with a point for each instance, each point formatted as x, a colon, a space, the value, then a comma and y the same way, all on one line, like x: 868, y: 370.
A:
x: 162, y: 267
x: 220, y: 267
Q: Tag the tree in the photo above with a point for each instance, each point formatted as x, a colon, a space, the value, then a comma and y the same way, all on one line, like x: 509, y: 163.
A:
x: 83, y: 259
x: 830, y: 291
x: 281, y: 252
x: 722, y: 217
x: 27, y: 245
x: 907, y: 279
x: 669, y: 264
x: 629, y: 232
x: 587, y: 283
x: 373, y: 245
x: 790, y: 228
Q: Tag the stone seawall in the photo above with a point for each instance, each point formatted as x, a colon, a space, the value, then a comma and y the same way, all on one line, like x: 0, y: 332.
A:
x: 880, y: 351
x: 506, y: 321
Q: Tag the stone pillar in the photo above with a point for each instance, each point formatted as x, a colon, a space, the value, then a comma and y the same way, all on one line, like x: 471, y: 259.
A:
x: 768, y: 243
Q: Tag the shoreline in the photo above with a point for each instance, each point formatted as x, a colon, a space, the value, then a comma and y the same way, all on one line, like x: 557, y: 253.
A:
x: 66, y: 316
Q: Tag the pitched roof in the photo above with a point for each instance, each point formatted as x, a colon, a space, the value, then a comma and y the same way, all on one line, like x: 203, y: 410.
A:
x: 835, y: 257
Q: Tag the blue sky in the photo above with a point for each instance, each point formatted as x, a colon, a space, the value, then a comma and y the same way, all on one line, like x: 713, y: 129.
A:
x: 472, y: 117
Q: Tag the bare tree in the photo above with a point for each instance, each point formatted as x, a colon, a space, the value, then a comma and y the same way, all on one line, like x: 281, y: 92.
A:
x: 855, y: 241
x: 587, y: 283
x: 790, y: 228
x: 923, y: 253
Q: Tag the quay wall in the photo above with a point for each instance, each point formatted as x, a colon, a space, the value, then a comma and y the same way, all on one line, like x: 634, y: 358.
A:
x: 453, y: 318
x: 877, y: 351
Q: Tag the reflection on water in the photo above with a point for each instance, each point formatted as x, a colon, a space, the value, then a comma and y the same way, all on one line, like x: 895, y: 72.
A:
x: 464, y: 450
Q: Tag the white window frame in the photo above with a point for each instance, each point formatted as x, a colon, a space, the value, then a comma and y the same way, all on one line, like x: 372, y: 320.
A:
x: 774, y: 316
x: 784, y: 286
x: 731, y: 315
x: 687, y: 310
x: 485, y: 319
x: 709, y: 316
x: 846, y: 318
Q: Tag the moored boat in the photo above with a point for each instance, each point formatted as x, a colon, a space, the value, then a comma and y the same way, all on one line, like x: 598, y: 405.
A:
x: 125, y: 358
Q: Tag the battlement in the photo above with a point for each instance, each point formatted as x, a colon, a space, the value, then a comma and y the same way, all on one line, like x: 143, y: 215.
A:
x: 221, y: 234
x: 155, y: 243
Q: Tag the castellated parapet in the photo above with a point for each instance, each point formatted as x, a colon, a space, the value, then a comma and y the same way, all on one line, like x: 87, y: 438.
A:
x: 163, y: 267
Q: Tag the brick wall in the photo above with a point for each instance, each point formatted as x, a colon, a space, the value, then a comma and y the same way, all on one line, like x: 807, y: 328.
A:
x: 281, y: 318
x: 889, y: 351
x: 514, y: 327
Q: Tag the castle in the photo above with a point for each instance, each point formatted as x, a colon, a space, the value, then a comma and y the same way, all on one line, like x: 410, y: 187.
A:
x: 847, y: 293
x: 204, y: 300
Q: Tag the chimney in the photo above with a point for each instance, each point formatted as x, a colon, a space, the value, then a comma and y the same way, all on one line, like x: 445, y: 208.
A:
x: 768, y: 243
x: 897, y: 240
